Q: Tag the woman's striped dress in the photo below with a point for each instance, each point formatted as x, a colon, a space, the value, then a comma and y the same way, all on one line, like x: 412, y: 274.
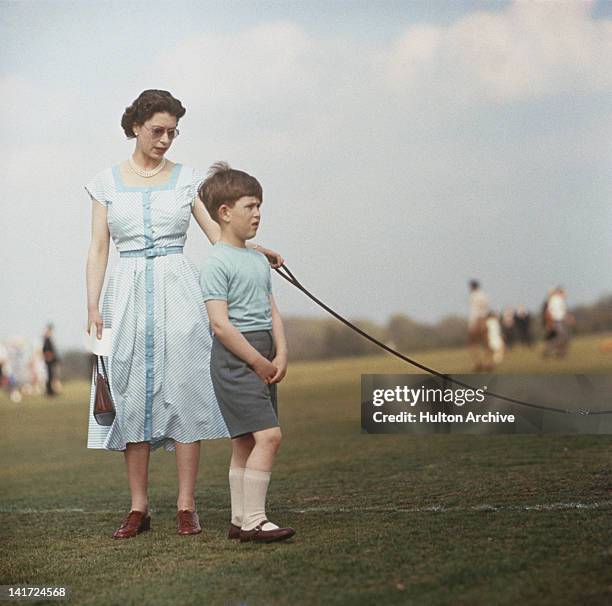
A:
x: 159, y: 369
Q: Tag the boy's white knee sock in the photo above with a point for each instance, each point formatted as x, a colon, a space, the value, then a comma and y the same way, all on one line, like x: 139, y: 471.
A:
x: 255, y: 487
x: 236, y: 475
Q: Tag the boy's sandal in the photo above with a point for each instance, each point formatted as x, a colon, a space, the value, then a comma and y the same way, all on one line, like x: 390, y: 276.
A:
x: 259, y: 535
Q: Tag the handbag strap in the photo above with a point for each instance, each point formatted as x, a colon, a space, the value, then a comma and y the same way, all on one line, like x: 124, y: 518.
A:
x: 100, y: 360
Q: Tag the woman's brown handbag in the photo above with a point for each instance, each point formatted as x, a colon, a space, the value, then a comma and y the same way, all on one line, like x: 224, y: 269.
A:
x: 104, y: 409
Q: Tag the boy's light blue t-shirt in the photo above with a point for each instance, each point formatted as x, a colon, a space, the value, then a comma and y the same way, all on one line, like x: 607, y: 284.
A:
x: 240, y: 276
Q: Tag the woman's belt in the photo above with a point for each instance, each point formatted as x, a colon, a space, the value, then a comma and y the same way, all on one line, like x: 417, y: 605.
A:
x: 149, y: 253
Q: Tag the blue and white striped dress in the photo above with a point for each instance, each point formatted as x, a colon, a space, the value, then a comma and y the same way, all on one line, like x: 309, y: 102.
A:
x: 159, y: 369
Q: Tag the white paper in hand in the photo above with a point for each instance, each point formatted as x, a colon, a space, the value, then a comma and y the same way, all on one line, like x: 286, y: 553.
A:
x: 100, y: 347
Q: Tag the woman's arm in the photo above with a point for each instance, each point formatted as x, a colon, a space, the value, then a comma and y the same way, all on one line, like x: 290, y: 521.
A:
x: 97, y: 259
x: 207, y: 225
x: 234, y: 340
x: 280, y: 343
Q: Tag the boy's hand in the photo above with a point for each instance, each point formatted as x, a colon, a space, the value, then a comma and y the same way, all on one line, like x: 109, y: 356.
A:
x: 281, y: 369
x: 265, y: 369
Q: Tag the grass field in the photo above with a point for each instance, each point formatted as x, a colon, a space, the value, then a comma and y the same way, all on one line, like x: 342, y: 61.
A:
x: 386, y: 519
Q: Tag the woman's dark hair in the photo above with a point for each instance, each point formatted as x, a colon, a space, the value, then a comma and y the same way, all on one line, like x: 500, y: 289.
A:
x: 150, y: 102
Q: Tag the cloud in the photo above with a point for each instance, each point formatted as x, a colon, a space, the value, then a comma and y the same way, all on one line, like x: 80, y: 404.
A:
x: 529, y: 50
x: 279, y: 84
x: 233, y: 69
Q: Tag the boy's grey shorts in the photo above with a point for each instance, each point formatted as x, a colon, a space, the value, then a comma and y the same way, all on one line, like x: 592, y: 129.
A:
x: 246, y: 402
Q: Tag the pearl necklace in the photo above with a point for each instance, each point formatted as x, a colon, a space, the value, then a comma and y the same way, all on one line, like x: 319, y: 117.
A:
x: 146, y: 173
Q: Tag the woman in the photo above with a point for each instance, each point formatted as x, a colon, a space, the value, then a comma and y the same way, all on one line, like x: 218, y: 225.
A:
x: 158, y: 371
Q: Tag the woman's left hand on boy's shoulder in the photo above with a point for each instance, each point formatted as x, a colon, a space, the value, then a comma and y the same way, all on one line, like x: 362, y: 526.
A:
x: 281, y: 364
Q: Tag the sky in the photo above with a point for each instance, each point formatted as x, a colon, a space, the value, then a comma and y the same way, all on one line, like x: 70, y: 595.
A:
x: 403, y: 147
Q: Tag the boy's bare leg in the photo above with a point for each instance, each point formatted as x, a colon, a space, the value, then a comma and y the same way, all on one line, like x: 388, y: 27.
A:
x: 241, y: 449
x: 187, y: 462
x: 267, y: 443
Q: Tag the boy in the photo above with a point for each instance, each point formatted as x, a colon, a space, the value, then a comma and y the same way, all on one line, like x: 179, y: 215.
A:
x: 249, y: 353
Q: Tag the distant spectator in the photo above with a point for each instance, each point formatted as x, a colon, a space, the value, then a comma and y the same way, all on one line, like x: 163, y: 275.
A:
x: 507, y: 326
x: 38, y: 371
x: 17, y: 368
x: 477, y: 328
x: 546, y: 320
x: 51, y: 360
x: 522, y: 323
x: 558, y: 316
x: 3, y: 365
x: 495, y: 341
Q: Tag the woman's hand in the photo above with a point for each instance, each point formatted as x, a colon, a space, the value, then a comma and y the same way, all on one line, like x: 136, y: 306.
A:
x: 275, y: 259
x: 94, y: 318
x: 281, y: 369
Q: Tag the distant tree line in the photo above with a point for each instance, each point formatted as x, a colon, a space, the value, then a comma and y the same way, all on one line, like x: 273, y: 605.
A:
x: 593, y: 318
x: 326, y: 338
